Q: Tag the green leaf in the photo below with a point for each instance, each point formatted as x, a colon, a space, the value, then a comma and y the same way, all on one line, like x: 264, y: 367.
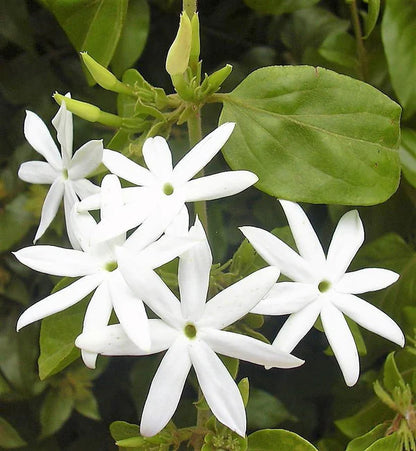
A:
x: 9, y: 437
x: 279, y: 6
x: 121, y: 430
x: 363, y: 442
x: 340, y: 48
x: 15, y: 24
x: 399, y: 37
x: 391, y: 376
x: 56, y: 409
x: 133, y: 36
x: 391, y: 443
x: 407, y: 153
x: 370, y: 19
x: 265, y: 410
x: 312, y: 135
x: 267, y: 439
x: 244, y: 387
x: 93, y: 26
x: 87, y: 405
x: 57, y: 338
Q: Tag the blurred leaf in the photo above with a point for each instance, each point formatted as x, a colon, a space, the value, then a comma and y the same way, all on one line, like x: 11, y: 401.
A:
x: 391, y: 443
x: 93, y: 26
x: 408, y: 155
x: 57, y: 337
x: 329, y: 444
x: 133, y: 36
x: 370, y: 19
x: 244, y: 387
x: 313, y: 135
x: 87, y: 406
x: 279, y: 6
x: 265, y: 410
x: 9, y: 437
x: 14, y: 213
x: 267, y: 439
x: 55, y: 411
x: 340, y: 48
x: 392, y: 376
x: 363, y: 442
x: 399, y: 37
x: 14, y: 24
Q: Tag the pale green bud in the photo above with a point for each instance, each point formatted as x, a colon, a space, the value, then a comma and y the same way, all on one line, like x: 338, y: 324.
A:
x: 178, y: 56
x: 216, y: 79
x: 103, y: 76
x: 195, y: 44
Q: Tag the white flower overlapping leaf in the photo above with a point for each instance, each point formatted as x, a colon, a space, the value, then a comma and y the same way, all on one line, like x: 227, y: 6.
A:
x: 323, y: 287
x: 63, y: 171
x: 191, y: 332
x: 163, y: 189
x: 96, y: 265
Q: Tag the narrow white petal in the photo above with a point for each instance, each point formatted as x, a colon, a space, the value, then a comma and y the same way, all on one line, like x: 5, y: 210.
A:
x: 180, y: 224
x: 296, y: 327
x: 193, y: 274
x: 86, y: 159
x: 369, y: 317
x: 113, y: 340
x: 249, y: 349
x: 149, y: 287
x: 92, y: 202
x: 201, y: 154
x: 126, y: 169
x: 158, y: 157
x: 306, y: 240
x: 130, y: 311
x: 166, y: 389
x: 218, y: 387
x: 84, y: 188
x: 37, y: 172
x: 70, y: 199
x: 364, y: 280
x: 218, y: 185
x: 347, y: 239
x: 96, y: 317
x: 275, y: 252
x: 50, y: 207
x: 342, y: 343
x: 63, y: 125
x: 111, y: 197
x: 156, y: 223
x: 237, y: 300
x: 57, y: 261
x: 41, y: 140
x: 285, y: 298
x: 82, y: 226
x: 60, y: 300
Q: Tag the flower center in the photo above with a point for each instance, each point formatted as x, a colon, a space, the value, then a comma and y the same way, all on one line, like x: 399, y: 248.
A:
x: 324, y: 286
x: 111, y: 266
x: 65, y: 174
x: 190, y: 331
x: 168, y: 189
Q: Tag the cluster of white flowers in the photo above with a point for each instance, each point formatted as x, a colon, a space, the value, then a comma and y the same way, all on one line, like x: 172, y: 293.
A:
x: 153, y: 213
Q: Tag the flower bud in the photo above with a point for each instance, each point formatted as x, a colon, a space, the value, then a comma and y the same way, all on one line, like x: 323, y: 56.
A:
x: 178, y: 56
x: 103, y: 76
x: 216, y: 79
x: 195, y: 44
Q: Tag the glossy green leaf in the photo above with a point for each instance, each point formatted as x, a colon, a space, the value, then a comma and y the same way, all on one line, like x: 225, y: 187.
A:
x: 93, y: 26
x: 121, y: 430
x: 55, y: 411
x: 370, y: 19
x: 265, y: 410
x: 363, y: 442
x: 244, y: 387
x: 279, y: 6
x: 9, y: 437
x: 268, y: 439
x: 407, y: 153
x: 391, y: 376
x: 313, y: 135
x: 57, y: 339
x: 390, y: 443
x: 399, y: 37
x: 133, y: 36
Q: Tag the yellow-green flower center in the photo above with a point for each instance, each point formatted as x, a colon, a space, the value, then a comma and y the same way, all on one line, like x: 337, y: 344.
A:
x: 111, y: 266
x: 324, y: 286
x: 190, y: 331
x: 168, y: 189
x: 65, y: 174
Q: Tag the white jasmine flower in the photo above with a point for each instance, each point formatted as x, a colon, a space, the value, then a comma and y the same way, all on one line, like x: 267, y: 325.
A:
x: 64, y: 172
x: 97, y: 266
x: 163, y: 189
x: 191, y: 332
x: 322, y: 287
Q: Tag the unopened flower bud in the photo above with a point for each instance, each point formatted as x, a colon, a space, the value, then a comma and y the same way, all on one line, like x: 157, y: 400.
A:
x: 178, y: 56
x: 216, y: 79
x: 195, y: 44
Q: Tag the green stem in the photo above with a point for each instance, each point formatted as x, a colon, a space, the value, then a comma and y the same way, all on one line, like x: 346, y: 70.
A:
x: 195, y: 135
x: 361, y: 52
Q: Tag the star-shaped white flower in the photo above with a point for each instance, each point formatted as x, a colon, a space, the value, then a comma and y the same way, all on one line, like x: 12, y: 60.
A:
x: 64, y: 172
x: 322, y: 287
x: 164, y: 189
x: 191, y: 332
x: 97, y: 266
